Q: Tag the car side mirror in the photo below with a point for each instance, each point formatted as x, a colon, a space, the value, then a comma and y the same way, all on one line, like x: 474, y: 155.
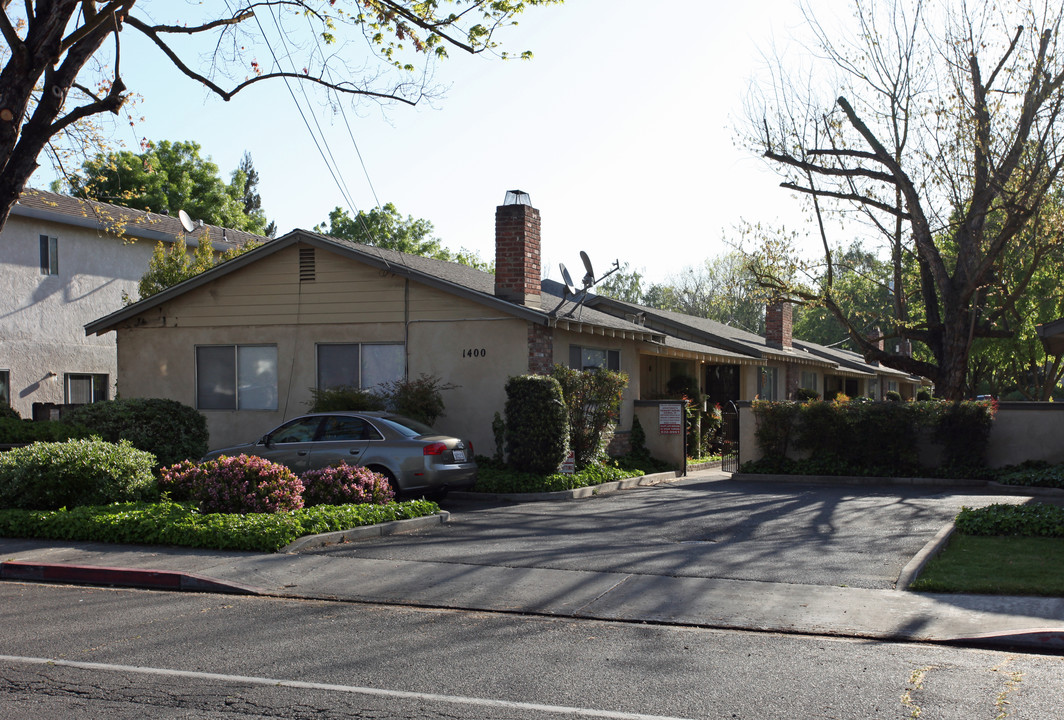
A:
x: 265, y: 440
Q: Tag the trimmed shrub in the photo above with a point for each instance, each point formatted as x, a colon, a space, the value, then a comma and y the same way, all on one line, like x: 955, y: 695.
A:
x: 343, y: 398
x: 498, y: 431
x: 963, y: 431
x: 923, y: 395
x: 9, y: 413
x: 51, y: 475
x: 167, y: 429
x: 593, y: 405
x: 343, y: 485
x: 15, y: 432
x: 537, y: 426
x: 236, y: 484
x: 806, y: 395
x: 892, y: 396
x: 420, y: 399
x: 775, y: 426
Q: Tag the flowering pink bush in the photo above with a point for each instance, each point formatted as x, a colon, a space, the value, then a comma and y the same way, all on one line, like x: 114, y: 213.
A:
x: 345, y: 484
x: 240, y: 484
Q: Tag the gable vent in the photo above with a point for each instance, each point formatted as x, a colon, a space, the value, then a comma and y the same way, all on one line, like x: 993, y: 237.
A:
x: 306, y: 265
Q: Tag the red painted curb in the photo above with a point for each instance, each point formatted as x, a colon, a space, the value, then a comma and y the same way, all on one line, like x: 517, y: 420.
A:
x: 120, y: 577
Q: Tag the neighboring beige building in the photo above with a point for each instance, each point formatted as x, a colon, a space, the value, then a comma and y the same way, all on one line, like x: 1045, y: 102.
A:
x: 65, y: 262
x: 246, y: 342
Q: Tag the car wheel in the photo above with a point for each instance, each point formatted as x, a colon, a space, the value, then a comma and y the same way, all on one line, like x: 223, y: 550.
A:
x: 389, y: 476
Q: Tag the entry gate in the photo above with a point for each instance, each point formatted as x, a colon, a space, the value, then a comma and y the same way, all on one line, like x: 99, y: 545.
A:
x: 729, y: 461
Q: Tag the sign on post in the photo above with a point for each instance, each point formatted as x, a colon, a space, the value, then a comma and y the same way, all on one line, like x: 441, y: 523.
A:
x: 670, y: 419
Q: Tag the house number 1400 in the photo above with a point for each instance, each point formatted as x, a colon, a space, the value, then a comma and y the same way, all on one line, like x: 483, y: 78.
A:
x: 475, y: 353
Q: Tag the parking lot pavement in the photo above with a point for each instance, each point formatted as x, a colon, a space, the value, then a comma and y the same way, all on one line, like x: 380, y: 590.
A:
x: 704, y: 526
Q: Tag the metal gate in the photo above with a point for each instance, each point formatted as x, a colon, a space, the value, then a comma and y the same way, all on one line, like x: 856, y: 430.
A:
x: 730, y: 438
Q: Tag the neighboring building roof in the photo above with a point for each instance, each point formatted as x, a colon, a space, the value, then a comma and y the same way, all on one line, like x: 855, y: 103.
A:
x: 748, y: 344
x: 122, y: 221
x: 1052, y: 336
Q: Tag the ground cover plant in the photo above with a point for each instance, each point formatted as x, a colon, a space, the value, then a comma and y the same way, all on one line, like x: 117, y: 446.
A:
x: 172, y: 523
x: 496, y: 477
x: 1001, y: 549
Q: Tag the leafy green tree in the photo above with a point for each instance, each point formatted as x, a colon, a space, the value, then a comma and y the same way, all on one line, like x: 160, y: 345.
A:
x: 940, y: 120
x: 165, y: 178
x: 170, y: 265
x: 625, y: 285
x: 384, y: 227
x: 862, y: 289
x: 61, y: 68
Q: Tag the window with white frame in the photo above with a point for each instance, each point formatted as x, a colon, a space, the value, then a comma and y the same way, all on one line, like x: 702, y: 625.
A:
x: 236, y: 377
x: 360, y: 365
x: 767, y: 383
x: 588, y: 358
x: 84, y: 388
x: 49, y: 255
x: 809, y: 380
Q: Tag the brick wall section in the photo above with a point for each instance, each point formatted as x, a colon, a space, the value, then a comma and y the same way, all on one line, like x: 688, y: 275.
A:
x: 517, y: 263
x: 794, y: 377
x: 620, y: 444
x: 778, y: 317
x: 540, y: 349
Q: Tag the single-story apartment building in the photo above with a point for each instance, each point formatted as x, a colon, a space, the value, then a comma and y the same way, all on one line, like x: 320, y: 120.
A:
x: 247, y: 342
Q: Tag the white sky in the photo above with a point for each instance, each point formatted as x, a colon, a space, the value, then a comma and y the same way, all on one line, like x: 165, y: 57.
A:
x: 621, y: 130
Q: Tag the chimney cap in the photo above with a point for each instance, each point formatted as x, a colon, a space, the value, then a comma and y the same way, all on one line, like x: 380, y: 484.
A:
x: 517, y: 197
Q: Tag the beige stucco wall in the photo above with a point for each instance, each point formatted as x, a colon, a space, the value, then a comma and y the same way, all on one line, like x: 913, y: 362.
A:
x: 466, y: 344
x: 668, y: 448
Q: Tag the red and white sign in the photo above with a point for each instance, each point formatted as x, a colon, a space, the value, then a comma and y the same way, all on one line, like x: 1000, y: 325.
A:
x: 569, y: 464
x: 670, y: 419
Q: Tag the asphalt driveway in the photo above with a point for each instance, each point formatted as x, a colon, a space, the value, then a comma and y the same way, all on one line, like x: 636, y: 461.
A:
x: 705, y: 526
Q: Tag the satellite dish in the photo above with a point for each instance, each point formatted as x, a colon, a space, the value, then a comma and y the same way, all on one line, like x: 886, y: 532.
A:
x: 567, y: 279
x: 589, y: 278
x: 186, y: 221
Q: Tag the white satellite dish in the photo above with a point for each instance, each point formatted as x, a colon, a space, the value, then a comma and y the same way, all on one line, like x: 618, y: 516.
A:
x: 567, y: 279
x: 186, y: 221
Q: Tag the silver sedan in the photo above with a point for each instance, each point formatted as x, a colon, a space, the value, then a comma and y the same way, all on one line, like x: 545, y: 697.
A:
x: 414, y: 457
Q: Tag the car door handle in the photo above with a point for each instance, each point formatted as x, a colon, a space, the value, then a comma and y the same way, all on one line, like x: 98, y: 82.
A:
x: 301, y: 453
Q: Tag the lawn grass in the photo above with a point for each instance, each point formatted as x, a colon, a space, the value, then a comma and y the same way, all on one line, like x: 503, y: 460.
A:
x: 996, y: 565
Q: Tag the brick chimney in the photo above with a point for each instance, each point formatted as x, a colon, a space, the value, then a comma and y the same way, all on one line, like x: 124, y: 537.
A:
x: 517, y: 272
x: 778, y: 315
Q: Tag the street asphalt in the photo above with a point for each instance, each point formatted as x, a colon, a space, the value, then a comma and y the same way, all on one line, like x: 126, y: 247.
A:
x: 706, y: 550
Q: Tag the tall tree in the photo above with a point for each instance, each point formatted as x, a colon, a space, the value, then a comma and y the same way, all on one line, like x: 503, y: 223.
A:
x: 943, y: 114
x: 62, y: 59
x: 250, y: 193
x: 385, y: 227
x: 167, y: 177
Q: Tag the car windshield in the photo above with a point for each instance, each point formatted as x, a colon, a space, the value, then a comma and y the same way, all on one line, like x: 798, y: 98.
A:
x: 406, y: 426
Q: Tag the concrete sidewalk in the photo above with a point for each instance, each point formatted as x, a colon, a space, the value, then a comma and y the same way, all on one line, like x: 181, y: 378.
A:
x: 1033, y: 624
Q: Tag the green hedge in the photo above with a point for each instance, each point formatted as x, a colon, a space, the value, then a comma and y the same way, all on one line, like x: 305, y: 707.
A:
x: 45, y: 476
x: 863, y: 437
x: 170, y: 523
x: 169, y: 430
x: 19, y: 432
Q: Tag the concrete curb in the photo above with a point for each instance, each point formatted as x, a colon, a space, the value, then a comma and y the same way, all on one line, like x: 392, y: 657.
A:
x: 366, y: 531
x: 584, y: 492
x: 996, y: 487
x: 914, y: 567
x: 859, y: 480
x: 121, y: 577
